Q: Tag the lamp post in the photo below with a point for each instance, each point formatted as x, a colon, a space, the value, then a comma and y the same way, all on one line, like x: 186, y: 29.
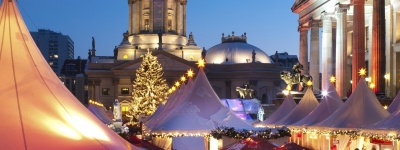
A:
x: 386, y: 76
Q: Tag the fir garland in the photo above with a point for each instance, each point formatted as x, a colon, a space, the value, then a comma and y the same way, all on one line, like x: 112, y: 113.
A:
x: 232, y: 133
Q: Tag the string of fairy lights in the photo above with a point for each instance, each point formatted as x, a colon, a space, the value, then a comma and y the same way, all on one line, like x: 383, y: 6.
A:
x: 96, y: 103
x: 181, y: 80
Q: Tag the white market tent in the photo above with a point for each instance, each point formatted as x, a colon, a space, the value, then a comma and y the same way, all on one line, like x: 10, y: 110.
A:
x: 169, y: 105
x: 199, y: 112
x: 395, y: 105
x: 38, y: 111
x: 286, y: 107
x: 361, y: 109
x: 329, y: 104
x: 99, y: 112
x: 306, y: 105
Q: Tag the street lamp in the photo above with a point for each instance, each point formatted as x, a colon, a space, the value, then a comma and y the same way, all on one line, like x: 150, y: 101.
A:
x: 386, y: 76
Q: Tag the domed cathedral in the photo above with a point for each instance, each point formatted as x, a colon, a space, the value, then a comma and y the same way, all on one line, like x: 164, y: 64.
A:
x: 157, y: 25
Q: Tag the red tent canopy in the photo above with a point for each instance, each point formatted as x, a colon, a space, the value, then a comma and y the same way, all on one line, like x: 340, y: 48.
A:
x: 251, y: 143
x: 291, y: 146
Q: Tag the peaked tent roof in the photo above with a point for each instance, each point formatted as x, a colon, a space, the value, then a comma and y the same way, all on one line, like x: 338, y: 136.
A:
x: 39, y: 111
x: 329, y: 104
x: 200, y: 112
x: 391, y: 123
x: 287, y: 106
x: 395, y: 105
x: 99, y: 112
x: 362, y: 108
x: 306, y: 105
x: 169, y: 105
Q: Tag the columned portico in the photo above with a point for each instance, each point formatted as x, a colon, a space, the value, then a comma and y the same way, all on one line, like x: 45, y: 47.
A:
x: 314, y: 53
x: 178, y: 17
x: 151, y: 18
x: 303, y: 53
x: 326, y: 50
x: 165, y: 18
x: 378, y: 45
x: 358, y: 58
x: 341, y: 49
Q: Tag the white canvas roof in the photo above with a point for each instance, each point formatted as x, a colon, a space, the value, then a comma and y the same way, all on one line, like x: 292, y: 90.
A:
x: 329, y: 104
x: 362, y: 108
x: 100, y: 113
x: 200, y: 112
x: 286, y: 107
x: 307, y: 104
x: 169, y: 105
x: 395, y: 105
x: 38, y: 111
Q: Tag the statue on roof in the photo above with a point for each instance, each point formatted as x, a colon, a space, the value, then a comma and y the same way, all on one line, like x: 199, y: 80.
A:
x: 203, y: 53
x: 125, y: 40
x: 253, y: 56
x: 115, y: 53
x: 245, y: 91
x: 93, y: 43
x: 191, y: 40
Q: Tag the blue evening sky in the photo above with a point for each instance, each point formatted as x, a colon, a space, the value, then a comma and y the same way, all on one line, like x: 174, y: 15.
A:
x: 270, y: 25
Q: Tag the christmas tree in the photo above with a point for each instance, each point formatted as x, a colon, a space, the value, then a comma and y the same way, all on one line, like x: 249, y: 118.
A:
x: 149, y: 88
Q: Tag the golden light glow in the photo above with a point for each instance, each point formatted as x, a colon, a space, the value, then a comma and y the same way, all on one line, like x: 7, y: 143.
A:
x: 183, y: 79
x: 309, y: 83
x: 368, y: 79
x: 173, y: 89
x: 288, y: 88
x: 332, y: 79
x: 385, y: 107
x: 362, y: 72
x: 371, y: 85
x: 386, y: 76
x: 170, y: 91
x: 286, y: 92
x: 190, y: 73
x: 125, y: 56
x: 201, y: 63
x: 177, y: 84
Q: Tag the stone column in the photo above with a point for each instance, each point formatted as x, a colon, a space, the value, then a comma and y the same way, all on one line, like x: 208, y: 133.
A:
x: 165, y: 18
x: 303, y: 52
x: 140, y: 15
x: 96, y: 90
x: 151, y: 17
x: 341, y: 49
x: 314, y: 54
x: 178, y: 17
x: 131, y: 19
x: 184, y: 2
x: 326, y: 50
x: 116, y: 90
x: 378, y: 46
x: 136, y: 22
x: 358, y: 58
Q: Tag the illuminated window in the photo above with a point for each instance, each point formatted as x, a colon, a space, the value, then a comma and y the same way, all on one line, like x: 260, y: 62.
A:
x: 55, y: 56
x: 125, y: 56
x: 124, y: 90
x: 169, y: 24
x: 105, y: 91
x: 74, y: 82
x: 192, y: 57
x: 86, y: 87
x: 124, y: 109
x: 146, y: 24
x: 50, y: 63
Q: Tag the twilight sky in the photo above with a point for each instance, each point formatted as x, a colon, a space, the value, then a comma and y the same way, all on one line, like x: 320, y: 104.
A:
x: 270, y: 25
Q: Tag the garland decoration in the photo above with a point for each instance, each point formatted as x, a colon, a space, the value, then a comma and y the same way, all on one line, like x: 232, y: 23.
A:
x: 242, y: 134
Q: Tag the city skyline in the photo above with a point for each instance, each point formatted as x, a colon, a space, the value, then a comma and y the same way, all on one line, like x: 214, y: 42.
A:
x: 270, y: 25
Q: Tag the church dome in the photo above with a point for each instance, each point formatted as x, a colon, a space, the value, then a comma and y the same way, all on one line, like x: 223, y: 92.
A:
x: 235, y: 49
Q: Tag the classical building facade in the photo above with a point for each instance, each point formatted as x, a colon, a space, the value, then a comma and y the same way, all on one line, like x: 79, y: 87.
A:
x: 74, y: 78
x: 160, y: 26
x: 353, y: 34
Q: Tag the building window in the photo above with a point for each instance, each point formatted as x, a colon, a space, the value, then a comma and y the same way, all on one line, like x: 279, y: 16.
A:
x: 105, y: 91
x: 124, y: 90
x: 169, y: 24
x: 55, y: 56
x: 50, y: 63
x: 146, y: 24
x: 125, y: 56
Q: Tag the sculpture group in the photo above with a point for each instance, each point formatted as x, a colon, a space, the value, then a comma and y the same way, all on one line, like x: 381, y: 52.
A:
x: 245, y: 91
x: 295, y: 78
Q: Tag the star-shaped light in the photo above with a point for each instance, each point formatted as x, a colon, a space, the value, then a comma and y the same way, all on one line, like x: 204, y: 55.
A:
x: 183, y: 79
x: 371, y: 85
x: 309, y: 83
x: 170, y: 91
x: 173, y: 89
x: 332, y: 79
x: 190, y: 73
x: 362, y: 72
x: 201, y: 63
x: 177, y: 84
x: 288, y: 88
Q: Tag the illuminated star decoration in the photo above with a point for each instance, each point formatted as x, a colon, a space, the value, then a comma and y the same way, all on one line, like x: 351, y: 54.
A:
x: 201, y: 63
x: 362, y: 72
x: 332, y: 79
x: 177, y: 84
x: 371, y: 85
x: 170, y: 91
x: 183, y: 79
x: 309, y: 83
x: 190, y: 73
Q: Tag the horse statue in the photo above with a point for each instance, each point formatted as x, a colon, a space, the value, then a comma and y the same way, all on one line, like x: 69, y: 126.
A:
x: 243, y: 92
x: 295, y: 78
